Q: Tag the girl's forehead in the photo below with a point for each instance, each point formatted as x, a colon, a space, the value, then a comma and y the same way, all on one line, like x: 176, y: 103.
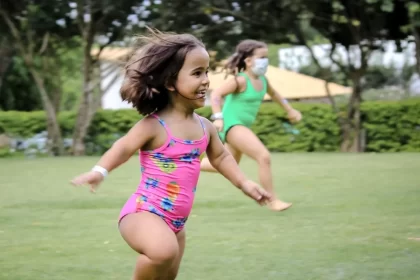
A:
x: 260, y: 52
x: 198, y: 57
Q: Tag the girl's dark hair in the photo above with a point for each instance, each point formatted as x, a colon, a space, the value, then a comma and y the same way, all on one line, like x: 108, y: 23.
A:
x: 153, y: 67
x: 236, y: 63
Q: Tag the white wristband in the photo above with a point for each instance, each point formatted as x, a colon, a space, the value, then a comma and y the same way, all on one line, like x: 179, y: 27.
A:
x: 217, y: 116
x: 101, y: 170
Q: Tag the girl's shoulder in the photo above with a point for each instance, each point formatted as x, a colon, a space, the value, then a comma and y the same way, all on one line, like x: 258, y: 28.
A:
x: 146, y: 124
x: 208, y: 126
x: 239, y: 81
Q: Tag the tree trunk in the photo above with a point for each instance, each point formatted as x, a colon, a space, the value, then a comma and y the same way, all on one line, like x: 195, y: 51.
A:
x: 356, y: 146
x: 50, y: 66
x: 56, y: 99
x: 351, y: 127
x: 87, y: 108
x: 57, y: 91
x: 5, y: 61
x: 416, y: 33
x: 55, y: 145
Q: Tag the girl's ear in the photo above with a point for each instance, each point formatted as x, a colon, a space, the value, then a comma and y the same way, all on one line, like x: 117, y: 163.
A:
x: 170, y: 86
x: 247, y: 60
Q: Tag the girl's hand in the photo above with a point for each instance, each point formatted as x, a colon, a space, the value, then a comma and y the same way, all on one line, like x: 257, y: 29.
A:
x: 254, y: 191
x: 92, y: 178
x: 294, y: 116
x: 218, y: 124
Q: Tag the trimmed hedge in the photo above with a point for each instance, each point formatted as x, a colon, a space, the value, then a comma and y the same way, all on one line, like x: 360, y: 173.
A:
x: 390, y: 126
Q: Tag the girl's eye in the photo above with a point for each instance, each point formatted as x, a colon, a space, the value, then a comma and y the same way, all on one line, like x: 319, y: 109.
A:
x: 197, y: 73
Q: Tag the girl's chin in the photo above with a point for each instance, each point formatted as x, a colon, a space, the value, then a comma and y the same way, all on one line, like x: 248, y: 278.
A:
x: 200, y: 102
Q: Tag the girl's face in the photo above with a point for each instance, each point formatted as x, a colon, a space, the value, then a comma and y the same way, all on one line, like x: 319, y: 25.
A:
x: 258, y: 62
x: 192, y: 82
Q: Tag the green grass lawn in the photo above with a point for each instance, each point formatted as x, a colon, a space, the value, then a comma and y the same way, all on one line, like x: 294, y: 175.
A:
x: 354, y: 217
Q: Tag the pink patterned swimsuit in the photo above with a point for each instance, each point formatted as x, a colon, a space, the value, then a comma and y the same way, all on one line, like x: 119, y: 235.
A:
x: 169, y: 179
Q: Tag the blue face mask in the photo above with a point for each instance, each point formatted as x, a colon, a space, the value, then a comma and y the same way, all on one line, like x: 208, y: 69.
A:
x: 260, y: 66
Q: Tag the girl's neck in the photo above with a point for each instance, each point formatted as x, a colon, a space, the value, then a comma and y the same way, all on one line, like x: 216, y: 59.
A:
x: 177, y: 111
x: 251, y: 74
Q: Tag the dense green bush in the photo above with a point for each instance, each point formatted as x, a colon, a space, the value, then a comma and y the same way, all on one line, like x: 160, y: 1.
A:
x: 390, y: 126
x: 23, y: 124
x: 318, y: 131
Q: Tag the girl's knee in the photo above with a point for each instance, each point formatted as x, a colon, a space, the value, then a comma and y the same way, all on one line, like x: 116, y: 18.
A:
x: 163, y: 257
x: 169, y: 275
x: 172, y: 274
x: 264, y: 158
x: 157, y: 265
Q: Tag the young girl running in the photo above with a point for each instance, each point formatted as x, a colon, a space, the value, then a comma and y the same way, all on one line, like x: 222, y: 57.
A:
x: 243, y: 95
x: 166, y: 80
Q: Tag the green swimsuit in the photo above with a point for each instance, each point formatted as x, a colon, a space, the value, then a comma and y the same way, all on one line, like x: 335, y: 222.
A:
x: 242, y: 108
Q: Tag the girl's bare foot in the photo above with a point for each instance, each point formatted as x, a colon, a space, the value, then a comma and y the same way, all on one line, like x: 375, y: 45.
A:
x: 278, y: 205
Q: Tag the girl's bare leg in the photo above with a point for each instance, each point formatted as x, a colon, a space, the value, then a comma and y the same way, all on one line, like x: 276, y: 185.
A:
x: 243, y: 139
x: 157, y: 244
x: 173, y: 271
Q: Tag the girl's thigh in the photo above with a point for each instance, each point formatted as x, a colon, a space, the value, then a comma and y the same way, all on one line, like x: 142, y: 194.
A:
x: 148, y: 234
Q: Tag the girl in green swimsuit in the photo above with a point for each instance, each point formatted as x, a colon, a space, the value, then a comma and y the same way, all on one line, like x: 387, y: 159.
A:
x: 243, y: 95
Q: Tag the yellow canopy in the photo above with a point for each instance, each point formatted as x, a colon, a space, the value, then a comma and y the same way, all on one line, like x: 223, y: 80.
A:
x: 289, y: 84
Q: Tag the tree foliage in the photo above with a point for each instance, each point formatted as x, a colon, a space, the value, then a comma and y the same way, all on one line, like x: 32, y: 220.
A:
x: 33, y: 30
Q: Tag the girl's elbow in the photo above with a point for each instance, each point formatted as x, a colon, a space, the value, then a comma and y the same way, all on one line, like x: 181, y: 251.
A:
x: 216, y: 160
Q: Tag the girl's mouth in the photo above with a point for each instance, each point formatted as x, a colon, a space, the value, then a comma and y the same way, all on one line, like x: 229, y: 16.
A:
x: 201, y: 93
